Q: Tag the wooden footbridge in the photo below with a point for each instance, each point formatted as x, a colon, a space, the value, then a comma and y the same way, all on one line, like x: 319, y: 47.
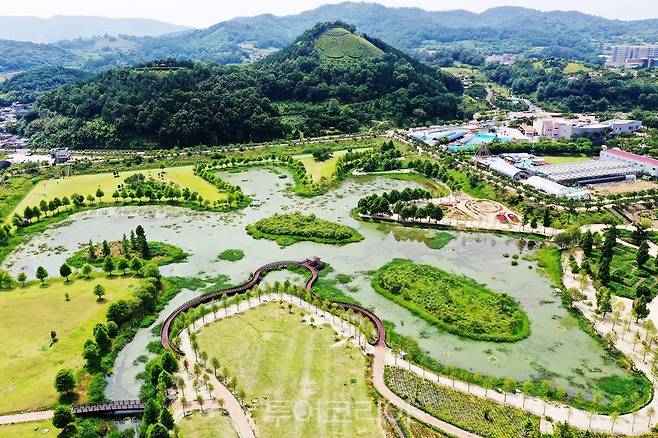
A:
x: 129, y: 408
x: 313, y: 265
x: 115, y: 409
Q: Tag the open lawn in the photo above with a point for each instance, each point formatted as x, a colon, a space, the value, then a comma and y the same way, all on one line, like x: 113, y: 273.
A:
x: 305, y: 383
x: 319, y: 169
x: 563, y: 159
x: 26, y: 430
x: 87, y: 184
x: 28, y: 363
x: 207, y: 424
x: 576, y: 67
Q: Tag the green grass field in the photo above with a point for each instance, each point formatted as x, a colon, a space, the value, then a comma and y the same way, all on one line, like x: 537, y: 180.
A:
x: 338, y: 44
x: 207, y: 424
x: 451, y: 302
x: 87, y: 184
x: 26, y: 430
x: 28, y: 363
x: 319, y: 169
x: 563, y: 159
x: 576, y: 67
x: 306, y: 385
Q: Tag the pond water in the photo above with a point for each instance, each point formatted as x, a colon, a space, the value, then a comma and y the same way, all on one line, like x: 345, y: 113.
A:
x: 557, y: 349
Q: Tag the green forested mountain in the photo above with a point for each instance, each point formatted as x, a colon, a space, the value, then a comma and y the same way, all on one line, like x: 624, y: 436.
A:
x: 25, y: 87
x: 68, y: 27
x: 504, y: 29
x: 18, y: 56
x: 580, y: 92
x: 329, y: 79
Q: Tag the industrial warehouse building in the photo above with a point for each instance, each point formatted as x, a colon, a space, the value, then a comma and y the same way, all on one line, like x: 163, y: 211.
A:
x: 590, y: 172
x: 555, y: 189
x: 503, y: 167
x: 649, y: 166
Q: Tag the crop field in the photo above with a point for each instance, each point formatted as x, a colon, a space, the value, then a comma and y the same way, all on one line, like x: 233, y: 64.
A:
x: 28, y: 361
x: 338, y: 44
x: 207, y: 424
x: 474, y: 414
x: 320, y: 169
x: 107, y: 182
x: 303, y: 381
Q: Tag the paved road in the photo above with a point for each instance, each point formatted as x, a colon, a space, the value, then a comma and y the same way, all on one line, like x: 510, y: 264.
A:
x: 231, y: 404
x: 26, y: 417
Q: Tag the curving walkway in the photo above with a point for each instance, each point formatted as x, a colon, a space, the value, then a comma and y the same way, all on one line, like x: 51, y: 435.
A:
x: 381, y: 353
x: 312, y: 264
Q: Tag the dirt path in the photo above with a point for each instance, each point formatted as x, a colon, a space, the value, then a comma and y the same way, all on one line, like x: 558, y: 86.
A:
x: 25, y: 417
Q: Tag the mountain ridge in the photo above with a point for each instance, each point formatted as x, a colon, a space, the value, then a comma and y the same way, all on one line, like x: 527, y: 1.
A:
x: 68, y: 27
x: 416, y: 31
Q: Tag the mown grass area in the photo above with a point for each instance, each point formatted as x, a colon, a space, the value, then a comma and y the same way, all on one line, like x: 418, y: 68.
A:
x: 231, y: 255
x: 87, y: 184
x: 576, y: 67
x: 207, y: 424
x: 285, y: 363
x: 439, y: 240
x: 453, y: 303
x: 339, y: 45
x: 320, y: 169
x: 161, y: 253
x: 26, y: 430
x: 549, y: 263
x: 11, y: 194
x: 563, y: 159
x: 625, y: 274
x: 28, y: 361
x: 287, y: 229
x: 471, y: 413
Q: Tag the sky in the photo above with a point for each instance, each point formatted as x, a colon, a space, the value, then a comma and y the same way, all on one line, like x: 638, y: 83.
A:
x: 203, y: 13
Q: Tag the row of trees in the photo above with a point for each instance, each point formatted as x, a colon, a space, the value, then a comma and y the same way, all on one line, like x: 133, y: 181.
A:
x: 401, y: 204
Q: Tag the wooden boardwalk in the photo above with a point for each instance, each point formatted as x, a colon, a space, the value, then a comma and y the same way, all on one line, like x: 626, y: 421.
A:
x: 118, y: 408
x: 312, y: 264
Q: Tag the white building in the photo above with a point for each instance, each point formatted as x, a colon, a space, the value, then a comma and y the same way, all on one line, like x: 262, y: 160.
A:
x: 555, y: 189
x: 503, y: 167
x: 629, y: 56
x: 648, y: 166
x: 561, y: 128
x: 622, y: 126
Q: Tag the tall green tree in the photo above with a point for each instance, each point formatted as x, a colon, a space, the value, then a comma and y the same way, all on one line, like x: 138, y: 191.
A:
x: 42, y: 274
x: 65, y: 271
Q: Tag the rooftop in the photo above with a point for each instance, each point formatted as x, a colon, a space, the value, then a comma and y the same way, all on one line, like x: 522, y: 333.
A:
x: 630, y: 156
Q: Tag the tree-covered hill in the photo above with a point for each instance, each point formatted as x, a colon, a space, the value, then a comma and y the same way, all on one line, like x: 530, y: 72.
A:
x: 24, y: 87
x: 606, y: 91
x: 19, y: 56
x: 296, y: 90
x: 505, y: 29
